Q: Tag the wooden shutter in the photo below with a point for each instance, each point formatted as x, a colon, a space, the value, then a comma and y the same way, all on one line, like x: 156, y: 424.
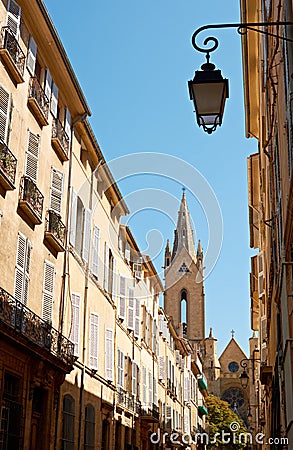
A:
x: 13, y: 17
x: 94, y: 333
x: 74, y: 337
x: 5, y: 99
x: 154, y: 336
x: 137, y: 317
x: 32, y: 156
x: 54, y: 100
x: 48, y: 291
x: 127, y: 251
x: 130, y: 322
x: 186, y: 389
x: 48, y: 84
x: 86, y: 234
x: 56, y: 193
x: 114, y: 279
x: 162, y: 372
x: 67, y: 123
x: 109, y: 354
x: 22, y: 269
x: 120, y: 369
x: 95, y: 252
x: 186, y: 423
x: 73, y: 218
x: 122, y: 299
x: 31, y: 56
x: 106, y: 268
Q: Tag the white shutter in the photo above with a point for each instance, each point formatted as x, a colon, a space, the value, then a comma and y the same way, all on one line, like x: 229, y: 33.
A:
x: 144, y: 385
x: 186, y: 389
x: 4, y: 113
x: 13, y: 17
x: 74, y: 336
x: 22, y: 269
x: 32, y: 156
x: 94, y: 333
x: 48, y: 291
x: 137, y: 317
x: 114, y: 280
x: 86, y: 234
x: 54, y: 100
x: 150, y: 388
x: 72, y: 235
x: 130, y: 321
x: 106, y: 268
x: 95, y: 251
x: 155, y: 391
x: 56, y: 192
x: 120, y: 380
x: 122, y: 299
x: 162, y: 372
x: 168, y: 410
x: 134, y: 379
x: 260, y: 266
x: 186, y: 423
x: 109, y: 354
x: 127, y: 252
x: 31, y: 56
x: 48, y: 84
x: 154, y: 336
x: 67, y: 123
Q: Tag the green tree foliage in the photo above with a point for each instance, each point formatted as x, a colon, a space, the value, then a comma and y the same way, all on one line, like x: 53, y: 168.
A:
x: 232, y: 433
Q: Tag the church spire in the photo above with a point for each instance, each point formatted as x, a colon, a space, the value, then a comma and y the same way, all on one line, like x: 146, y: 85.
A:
x: 183, y: 233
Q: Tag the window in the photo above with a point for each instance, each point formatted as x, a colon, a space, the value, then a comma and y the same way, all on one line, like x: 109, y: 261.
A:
x: 109, y: 354
x: 13, y: 17
x: 23, y: 260
x: 68, y: 423
x: 120, y: 378
x: 89, y: 428
x: 137, y: 317
x: 32, y: 156
x: 5, y: 102
x: 95, y: 252
x: 31, y: 56
x: 87, y: 222
x: 130, y: 321
x: 56, y: 191
x: 94, y: 333
x: 11, y: 425
x: 74, y: 335
x: 105, y: 435
x: 122, y: 299
x: 48, y: 291
x: 233, y: 367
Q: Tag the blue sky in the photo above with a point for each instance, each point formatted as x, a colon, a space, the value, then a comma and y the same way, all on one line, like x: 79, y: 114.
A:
x: 133, y: 60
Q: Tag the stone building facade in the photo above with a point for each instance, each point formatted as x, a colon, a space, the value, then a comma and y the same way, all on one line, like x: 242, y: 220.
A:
x: 88, y: 358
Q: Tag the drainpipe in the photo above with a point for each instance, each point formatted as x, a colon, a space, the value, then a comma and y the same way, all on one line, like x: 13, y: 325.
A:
x: 65, y: 260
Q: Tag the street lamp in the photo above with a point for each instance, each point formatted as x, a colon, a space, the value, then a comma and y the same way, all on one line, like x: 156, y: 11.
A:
x: 209, y: 90
x: 244, y: 378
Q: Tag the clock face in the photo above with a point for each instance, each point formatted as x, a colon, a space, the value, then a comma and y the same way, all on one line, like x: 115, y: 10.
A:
x: 233, y: 367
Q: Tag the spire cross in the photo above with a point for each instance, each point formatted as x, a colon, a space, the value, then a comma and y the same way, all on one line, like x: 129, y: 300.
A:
x: 233, y: 333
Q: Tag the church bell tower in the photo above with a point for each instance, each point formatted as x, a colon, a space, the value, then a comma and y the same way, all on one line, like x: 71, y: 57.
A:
x: 184, y: 290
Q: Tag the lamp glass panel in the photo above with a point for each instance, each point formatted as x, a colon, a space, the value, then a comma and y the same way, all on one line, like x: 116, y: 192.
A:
x: 208, y: 97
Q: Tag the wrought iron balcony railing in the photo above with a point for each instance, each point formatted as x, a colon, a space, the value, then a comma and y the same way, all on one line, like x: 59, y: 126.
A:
x: 128, y: 401
x: 31, y: 200
x: 150, y: 412
x: 38, y: 101
x: 55, y: 231
x: 8, y: 164
x: 12, y: 54
x: 15, y: 315
x: 60, y: 140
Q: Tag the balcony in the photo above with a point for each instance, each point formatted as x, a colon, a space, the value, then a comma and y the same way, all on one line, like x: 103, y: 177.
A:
x: 31, y: 200
x: 127, y: 401
x: 60, y: 140
x: 38, y: 102
x: 150, y: 413
x: 55, y: 232
x: 19, y: 322
x: 12, y: 55
x: 7, y: 167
